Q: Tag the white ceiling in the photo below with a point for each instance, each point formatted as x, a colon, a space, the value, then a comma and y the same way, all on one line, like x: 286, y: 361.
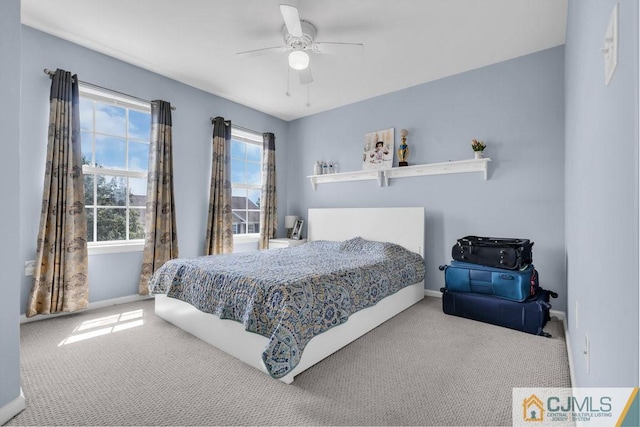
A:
x: 407, y: 42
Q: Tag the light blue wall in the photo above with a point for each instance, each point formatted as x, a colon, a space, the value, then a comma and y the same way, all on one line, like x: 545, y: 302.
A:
x: 516, y: 107
x: 602, y: 194
x: 10, y: 33
x: 116, y: 275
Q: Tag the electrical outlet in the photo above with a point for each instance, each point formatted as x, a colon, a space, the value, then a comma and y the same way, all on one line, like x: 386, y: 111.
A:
x: 28, y: 267
x: 587, y: 353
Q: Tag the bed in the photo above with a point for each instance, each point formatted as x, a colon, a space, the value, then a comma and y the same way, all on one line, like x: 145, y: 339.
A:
x: 399, y: 226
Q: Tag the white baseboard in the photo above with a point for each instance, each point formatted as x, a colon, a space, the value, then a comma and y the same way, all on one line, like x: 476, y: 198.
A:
x: 92, y: 306
x: 431, y: 293
x: 12, y: 408
x: 567, y: 339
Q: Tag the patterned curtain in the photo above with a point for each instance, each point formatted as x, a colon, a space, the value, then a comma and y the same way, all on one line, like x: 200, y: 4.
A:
x: 268, y: 214
x: 161, y: 235
x: 60, y: 271
x: 219, y: 239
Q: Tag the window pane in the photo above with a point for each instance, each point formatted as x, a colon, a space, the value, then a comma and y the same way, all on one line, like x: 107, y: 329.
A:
x: 237, y: 171
x: 237, y: 149
x: 112, y: 224
x: 139, y: 125
x: 253, y: 221
x: 86, y: 139
x: 254, y: 198
x: 137, y: 192
x: 239, y: 221
x: 88, y: 189
x: 239, y: 209
x: 136, y: 223
x: 117, y: 138
x: 254, y: 174
x: 90, y: 225
x: 110, y: 152
x: 238, y: 198
x: 138, y: 156
x: 86, y: 114
x: 111, y: 190
x: 110, y: 120
x: 254, y: 152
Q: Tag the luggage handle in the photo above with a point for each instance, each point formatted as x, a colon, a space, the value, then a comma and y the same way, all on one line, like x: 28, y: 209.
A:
x: 493, y: 241
x: 532, y: 283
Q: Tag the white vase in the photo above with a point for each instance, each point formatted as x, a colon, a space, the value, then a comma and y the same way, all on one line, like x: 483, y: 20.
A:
x: 478, y: 154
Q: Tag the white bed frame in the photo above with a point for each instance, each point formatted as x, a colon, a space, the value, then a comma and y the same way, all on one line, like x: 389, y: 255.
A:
x: 404, y: 226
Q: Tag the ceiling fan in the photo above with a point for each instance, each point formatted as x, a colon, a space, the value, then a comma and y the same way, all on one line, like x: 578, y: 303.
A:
x: 299, y: 40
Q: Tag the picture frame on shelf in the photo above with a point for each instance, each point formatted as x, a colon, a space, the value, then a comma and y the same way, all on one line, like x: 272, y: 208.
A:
x: 378, y: 150
x: 296, y: 232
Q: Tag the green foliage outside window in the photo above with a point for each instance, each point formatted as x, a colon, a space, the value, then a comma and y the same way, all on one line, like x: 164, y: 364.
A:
x: 111, y: 209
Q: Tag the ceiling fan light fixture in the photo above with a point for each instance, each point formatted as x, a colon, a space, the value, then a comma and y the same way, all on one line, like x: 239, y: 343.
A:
x: 298, y: 60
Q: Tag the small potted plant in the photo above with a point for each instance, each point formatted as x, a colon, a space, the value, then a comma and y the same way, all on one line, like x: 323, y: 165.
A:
x: 478, y: 148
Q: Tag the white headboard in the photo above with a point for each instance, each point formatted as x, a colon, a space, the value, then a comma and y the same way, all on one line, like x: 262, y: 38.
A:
x: 403, y: 226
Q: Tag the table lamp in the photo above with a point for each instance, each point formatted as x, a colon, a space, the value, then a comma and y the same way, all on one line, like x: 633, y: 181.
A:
x: 289, y: 222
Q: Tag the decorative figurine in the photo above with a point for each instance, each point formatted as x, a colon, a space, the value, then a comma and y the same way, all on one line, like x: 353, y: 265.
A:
x: 403, y: 152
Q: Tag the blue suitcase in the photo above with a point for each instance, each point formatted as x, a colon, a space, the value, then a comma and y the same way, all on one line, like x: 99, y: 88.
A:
x: 529, y: 316
x: 515, y: 285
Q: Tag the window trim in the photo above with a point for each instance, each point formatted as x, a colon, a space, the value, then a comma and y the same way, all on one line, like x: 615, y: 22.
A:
x: 115, y: 246
x: 254, y: 138
x: 246, y: 238
x: 108, y: 98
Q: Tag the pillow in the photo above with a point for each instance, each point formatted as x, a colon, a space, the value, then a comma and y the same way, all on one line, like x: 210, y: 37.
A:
x: 358, y: 244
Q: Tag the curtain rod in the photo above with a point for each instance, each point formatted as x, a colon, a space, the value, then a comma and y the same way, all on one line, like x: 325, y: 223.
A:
x: 238, y: 127
x: 52, y: 73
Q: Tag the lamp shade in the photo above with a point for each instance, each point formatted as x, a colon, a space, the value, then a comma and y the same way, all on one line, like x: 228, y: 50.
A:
x: 298, y: 60
x: 290, y: 220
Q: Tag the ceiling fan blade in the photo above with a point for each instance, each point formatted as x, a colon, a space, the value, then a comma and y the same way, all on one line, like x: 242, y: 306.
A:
x: 305, y: 76
x: 291, y: 19
x: 261, y: 52
x: 340, y: 48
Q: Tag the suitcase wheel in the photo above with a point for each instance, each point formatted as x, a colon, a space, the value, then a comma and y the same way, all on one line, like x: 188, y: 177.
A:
x: 545, y: 334
x: 443, y: 290
x: 442, y: 268
x: 553, y: 294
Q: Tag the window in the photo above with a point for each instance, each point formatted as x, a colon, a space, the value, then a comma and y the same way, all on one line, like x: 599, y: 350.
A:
x: 115, y: 134
x: 246, y: 181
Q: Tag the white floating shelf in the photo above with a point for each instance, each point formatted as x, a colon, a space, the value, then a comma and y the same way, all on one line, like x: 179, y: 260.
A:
x: 458, y: 166
x: 365, y: 175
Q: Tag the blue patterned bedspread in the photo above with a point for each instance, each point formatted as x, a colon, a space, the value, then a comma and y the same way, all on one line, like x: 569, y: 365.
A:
x: 291, y: 295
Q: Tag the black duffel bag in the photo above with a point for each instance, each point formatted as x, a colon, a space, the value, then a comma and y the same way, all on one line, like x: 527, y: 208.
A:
x: 511, y: 254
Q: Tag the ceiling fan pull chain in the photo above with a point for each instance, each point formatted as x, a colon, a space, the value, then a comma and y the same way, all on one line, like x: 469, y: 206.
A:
x: 288, y: 81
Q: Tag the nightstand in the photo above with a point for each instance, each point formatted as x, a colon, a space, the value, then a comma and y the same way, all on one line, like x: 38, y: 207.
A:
x: 285, y: 243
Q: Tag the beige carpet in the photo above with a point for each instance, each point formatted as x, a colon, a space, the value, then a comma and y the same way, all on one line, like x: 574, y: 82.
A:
x: 124, y: 366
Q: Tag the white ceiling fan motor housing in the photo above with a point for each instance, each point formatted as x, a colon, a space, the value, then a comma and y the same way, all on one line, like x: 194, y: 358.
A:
x: 300, y: 43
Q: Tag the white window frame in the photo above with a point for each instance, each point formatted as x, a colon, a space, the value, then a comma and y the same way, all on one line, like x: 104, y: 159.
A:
x: 104, y: 97
x: 256, y: 139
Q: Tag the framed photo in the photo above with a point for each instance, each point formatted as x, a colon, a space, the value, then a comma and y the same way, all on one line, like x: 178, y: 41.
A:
x: 378, y: 150
x: 296, y: 233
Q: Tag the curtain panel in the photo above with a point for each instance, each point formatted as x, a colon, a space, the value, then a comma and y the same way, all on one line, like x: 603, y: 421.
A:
x: 219, y: 238
x: 268, y: 213
x: 161, y: 235
x: 61, y: 263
